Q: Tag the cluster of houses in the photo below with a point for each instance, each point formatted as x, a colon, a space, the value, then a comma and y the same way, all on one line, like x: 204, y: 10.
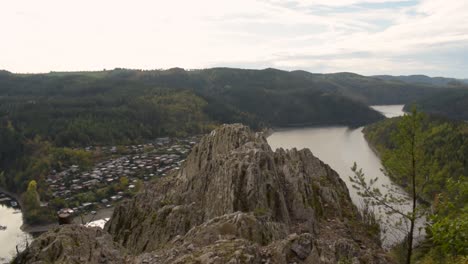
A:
x: 144, y: 163
x: 156, y: 144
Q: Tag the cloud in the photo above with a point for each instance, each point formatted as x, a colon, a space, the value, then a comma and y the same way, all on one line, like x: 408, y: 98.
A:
x: 332, y: 3
x: 364, y: 36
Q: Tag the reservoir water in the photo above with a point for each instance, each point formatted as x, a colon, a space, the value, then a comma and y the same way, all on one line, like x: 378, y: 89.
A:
x: 12, y: 236
x: 340, y: 147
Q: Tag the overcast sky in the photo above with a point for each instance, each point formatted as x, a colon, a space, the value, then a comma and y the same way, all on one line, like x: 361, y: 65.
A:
x: 363, y: 36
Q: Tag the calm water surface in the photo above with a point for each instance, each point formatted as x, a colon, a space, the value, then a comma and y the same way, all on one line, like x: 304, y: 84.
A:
x: 13, y: 235
x: 340, y: 147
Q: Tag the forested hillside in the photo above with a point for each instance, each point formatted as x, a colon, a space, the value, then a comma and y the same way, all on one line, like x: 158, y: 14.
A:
x: 370, y: 90
x: 423, y: 79
x: 105, y: 107
x: 121, y: 105
x: 452, y: 104
x: 443, y: 183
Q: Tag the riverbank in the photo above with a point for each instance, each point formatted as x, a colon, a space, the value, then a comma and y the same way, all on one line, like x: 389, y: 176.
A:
x: 369, y: 143
x: 19, y: 234
x: 12, y: 195
x: 12, y: 236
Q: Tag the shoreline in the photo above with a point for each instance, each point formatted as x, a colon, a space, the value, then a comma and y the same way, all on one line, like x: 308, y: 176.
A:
x: 268, y: 132
x: 12, y: 195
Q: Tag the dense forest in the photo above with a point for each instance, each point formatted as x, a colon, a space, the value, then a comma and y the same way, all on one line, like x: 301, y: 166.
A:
x: 452, y: 104
x: 444, y: 186
x: 81, y: 108
x: 423, y: 79
x: 370, y: 90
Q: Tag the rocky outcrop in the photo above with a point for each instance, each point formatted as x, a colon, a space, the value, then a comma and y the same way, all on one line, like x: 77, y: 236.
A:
x: 73, y: 244
x: 237, y: 201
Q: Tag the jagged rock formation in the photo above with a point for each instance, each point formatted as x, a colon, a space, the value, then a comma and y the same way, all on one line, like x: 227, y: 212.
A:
x: 237, y: 201
x: 73, y: 244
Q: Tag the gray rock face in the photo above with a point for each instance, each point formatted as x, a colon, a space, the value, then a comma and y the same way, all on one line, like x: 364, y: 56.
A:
x: 237, y: 201
x: 73, y: 244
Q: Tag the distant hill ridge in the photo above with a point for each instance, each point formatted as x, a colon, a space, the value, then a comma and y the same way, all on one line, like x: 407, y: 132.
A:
x: 423, y: 79
x: 452, y: 104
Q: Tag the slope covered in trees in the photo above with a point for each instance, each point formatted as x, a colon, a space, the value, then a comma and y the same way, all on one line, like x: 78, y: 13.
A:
x: 423, y: 79
x: 442, y: 180
x: 371, y: 90
x: 452, y: 104
x: 445, y: 146
x: 125, y: 105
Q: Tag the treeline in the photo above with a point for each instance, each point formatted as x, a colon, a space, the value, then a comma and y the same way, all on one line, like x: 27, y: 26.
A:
x: 443, y: 183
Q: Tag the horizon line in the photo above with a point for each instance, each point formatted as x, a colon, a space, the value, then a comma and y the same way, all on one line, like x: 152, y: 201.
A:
x: 222, y: 67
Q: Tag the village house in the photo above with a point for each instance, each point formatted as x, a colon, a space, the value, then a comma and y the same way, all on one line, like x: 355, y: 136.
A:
x: 138, y: 163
